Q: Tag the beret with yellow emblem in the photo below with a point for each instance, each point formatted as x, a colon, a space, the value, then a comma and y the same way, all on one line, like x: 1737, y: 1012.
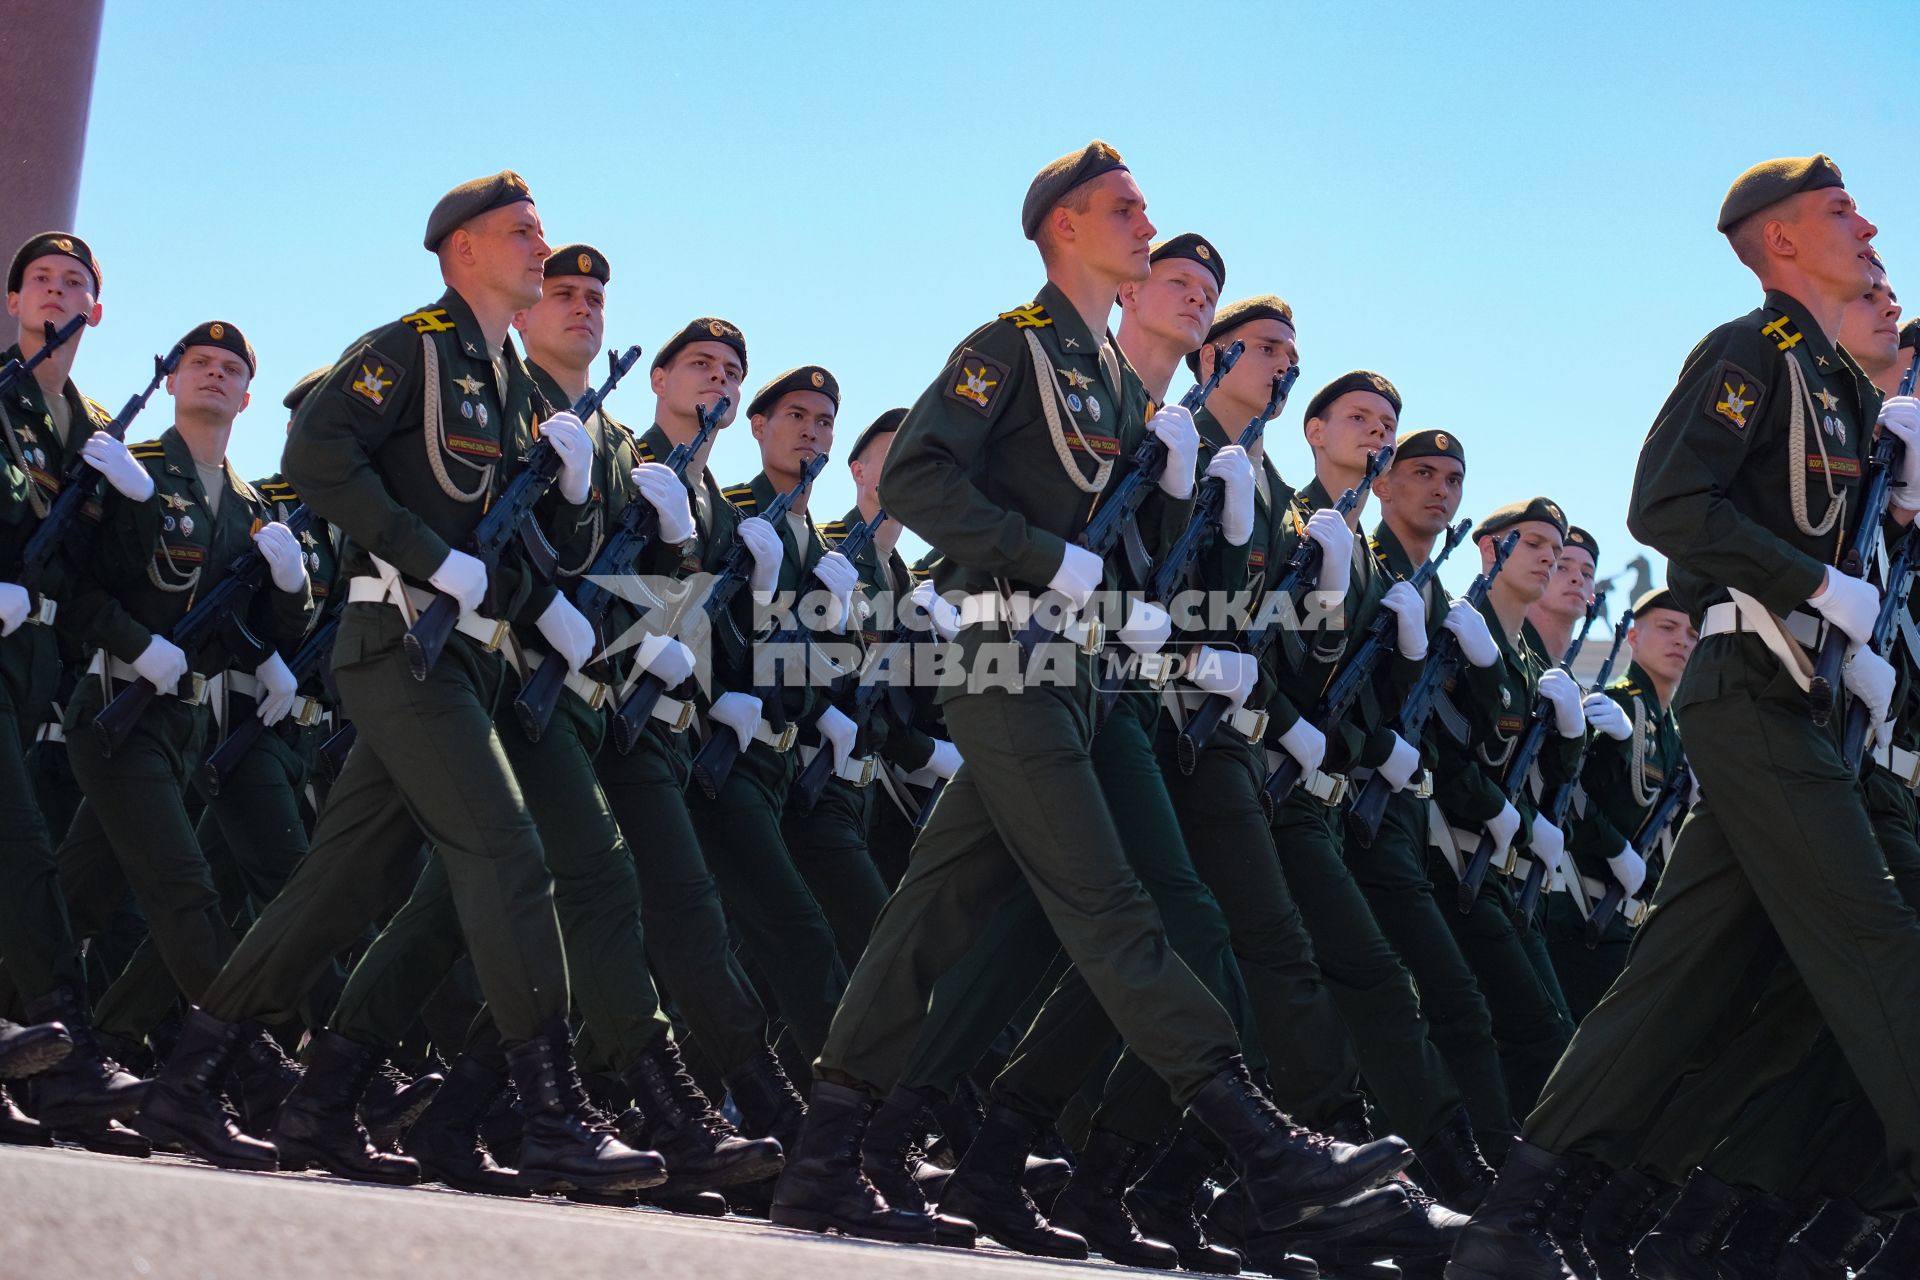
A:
x: 1194, y: 248
x: 1658, y: 598
x: 808, y: 377
x: 225, y: 335
x: 1242, y: 311
x: 308, y: 381
x: 888, y: 421
x: 578, y: 260
x: 1504, y: 518
x: 1358, y: 380
x: 1580, y: 538
x: 1772, y: 181
x: 1055, y: 182
x: 1430, y: 442
x: 471, y: 199
x: 704, y: 329
x: 47, y: 244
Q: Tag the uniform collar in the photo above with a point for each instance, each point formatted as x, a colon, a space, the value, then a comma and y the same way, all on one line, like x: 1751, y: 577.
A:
x: 1071, y: 334
x: 179, y: 460
x: 1388, y: 548
x: 467, y: 329
x: 1821, y: 351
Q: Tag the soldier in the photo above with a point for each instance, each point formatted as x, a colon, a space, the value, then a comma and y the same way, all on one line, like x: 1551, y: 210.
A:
x: 402, y: 449
x: 1762, y: 397
x: 983, y: 468
x: 1553, y: 619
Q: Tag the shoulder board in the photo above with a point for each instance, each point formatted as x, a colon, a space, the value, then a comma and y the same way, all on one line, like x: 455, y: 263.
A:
x: 643, y: 451
x: 277, y: 490
x: 1625, y: 685
x: 250, y: 493
x: 1782, y: 331
x: 430, y: 320
x: 1031, y: 316
x: 99, y: 412
x: 833, y: 530
x: 741, y: 496
x: 148, y: 449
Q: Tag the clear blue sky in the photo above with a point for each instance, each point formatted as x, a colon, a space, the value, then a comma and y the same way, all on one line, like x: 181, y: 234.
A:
x: 1507, y: 210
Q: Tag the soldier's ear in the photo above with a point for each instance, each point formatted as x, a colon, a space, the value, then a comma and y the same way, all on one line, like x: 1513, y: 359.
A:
x: 93, y: 318
x: 246, y: 398
x: 658, y: 380
x: 1209, y: 356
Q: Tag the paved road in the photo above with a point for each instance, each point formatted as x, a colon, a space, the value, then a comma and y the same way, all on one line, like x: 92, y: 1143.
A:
x: 72, y: 1214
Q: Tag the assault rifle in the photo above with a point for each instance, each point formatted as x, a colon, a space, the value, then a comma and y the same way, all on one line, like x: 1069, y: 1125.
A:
x: 1666, y: 806
x: 52, y: 340
x: 812, y: 780
x: 307, y: 663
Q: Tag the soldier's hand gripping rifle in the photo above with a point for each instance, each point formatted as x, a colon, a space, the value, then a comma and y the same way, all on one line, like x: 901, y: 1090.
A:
x: 308, y: 662
x: 59, y: 524
x: 639, y: 525
x: 509, y: 518
x: 1303, y: 568
x: 1669, y: 805
x: 1422, y: 701
x: 1561, y: 802
x: 1513, y: 783
x: 1358, y: 673
x: 1893, y: 599
x: 212, y: 633
x: 1115, y: 518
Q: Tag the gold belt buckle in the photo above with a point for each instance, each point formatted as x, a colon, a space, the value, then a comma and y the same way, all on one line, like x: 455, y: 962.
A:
x: 1339, y: 791
x: 1508, y: 862
x: 680, y: 722
x: 199, y: 687
x: 1259, y: 731
x: 42, y: 615
x: 306, y: 711
x: 784, y: 743
x: 1635, y: 912
x: 866, y: 773
x: 1423, y: 786
x: 599, y: 698
x: 499, y: 637
x: 1094, y: 638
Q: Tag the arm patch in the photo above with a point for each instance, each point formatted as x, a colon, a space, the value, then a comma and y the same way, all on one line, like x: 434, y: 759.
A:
x: 976, y: 381
x: 370, y: 377
x: 1734, y: 398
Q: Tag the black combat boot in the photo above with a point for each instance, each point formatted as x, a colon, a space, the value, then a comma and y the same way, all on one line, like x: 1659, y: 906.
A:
x: 446, y: 1141
x: 18, y: 1129
x: 1509, y: 1237
x: 1424, y: 1230
x: 986, y: 1189
x: 263, y: 1077
x: 1758, y: 1237
x: 1618, y: 1215
x: 184, y: 1105
x: 1899, y: 1257
x: 27, y: 1051
x: 822, y: 1188
x: 561, y: 1147
x: 1453, y: 1168
x: 1684, y: 1243
x: 890, y: 1156
x: 703, y: 1152
x: 768, y: 1104
x: 1819, y: 1251
x: 1567, y: 1223
x: 85, y: 1088
x: 1288, y: 1173
x: 959, y: 1117
x: 394, y: 1100
x: 108, y: 1138
x: 319, y: 1123
x: 1093, y: 1204
x: 1164, y: 1200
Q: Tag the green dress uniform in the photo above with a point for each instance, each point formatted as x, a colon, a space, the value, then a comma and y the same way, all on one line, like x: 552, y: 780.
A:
x: 402, y: 448
x: 998, y: 479
x: 1746, y: 484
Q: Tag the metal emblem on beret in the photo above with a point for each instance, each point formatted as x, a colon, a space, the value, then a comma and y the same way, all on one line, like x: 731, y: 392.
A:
x: 63, y: 244
x: 1554, y: 512
x: 1441, y: 440
x: 818, y: 379
x: 1379, y: 383
x: 1206, y: 254
x: 586, y: 263
x: 717, y: 329
x: 216, y: 331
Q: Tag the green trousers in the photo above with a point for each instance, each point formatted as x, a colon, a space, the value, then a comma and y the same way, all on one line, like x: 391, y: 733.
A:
x: 426, y: 765
x: 1584, y: 975
x: 1779, y: 853
x: 829, y: 846
x: 36, y: 937
x: 1026, y: 803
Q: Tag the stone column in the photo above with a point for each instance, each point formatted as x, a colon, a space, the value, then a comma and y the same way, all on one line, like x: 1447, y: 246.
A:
x: 47, y: 50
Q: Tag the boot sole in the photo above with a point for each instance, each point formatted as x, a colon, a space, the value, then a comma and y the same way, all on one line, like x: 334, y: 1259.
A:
x: 86, y: 1115
x: 130, y: 1145
x: 551, y: 1182
x: 507, y: 1187
x: 159, y: 1132
x: 298, y: 1157
x: 32, y: 1059
x: 820, y: 1223
x: 717, y: 1179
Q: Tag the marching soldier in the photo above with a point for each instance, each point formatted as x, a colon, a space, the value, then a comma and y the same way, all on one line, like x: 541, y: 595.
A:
x: 1553, y: 619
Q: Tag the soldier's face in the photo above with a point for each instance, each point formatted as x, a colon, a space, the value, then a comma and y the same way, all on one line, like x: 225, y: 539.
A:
x: 1830, y: 237
x: 867, y: 467
x: 798, y: 427
x: 569, y: 321
x: 1529, y: 566
x: 509, y: 251
x: 210, y: 380
x: 1270, y: 352
x: 1176, y: 302
x: 1571, y: 590
x: 700, y: 373
x: 1662, y: 640
x: 53, y: 289
x: 1870, y: 326
x: 1424, y: 493
x: 1352, y: 427
x: 1113, y: 236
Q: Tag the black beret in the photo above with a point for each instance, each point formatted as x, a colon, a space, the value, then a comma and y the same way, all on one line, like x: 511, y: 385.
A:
x: 1429, y: 442
x: 308, y: 381
x: 226, y: 335
x: 471, y: 199
x: 1910, y: 334
x: 888, y: 421
x: 1514, y: 513
x: 1658, y: 598
x: 46, y: 244
x: 1578, y: 537
x: 1052, y: 184
x: 1241, y: 311
x: 578, y: 260
x: 1195, y: 248
x: 1773, y: 181
x: 808, y: 377
x: 705, y: 329
x: 1358, y: 380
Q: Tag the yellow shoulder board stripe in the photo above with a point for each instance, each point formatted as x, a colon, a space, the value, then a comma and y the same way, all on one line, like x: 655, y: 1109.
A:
x: 433, y: 320
x: 148, y: 449
x: 643, y: 451
x: 1031, y: 316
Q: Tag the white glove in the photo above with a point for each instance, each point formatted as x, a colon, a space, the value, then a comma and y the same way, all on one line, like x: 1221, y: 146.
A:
x: 1174, y: 427
x: 1469, y: 627
x: 1232, y: 467
x: 1410, y: 619
x: 1606, y: 715
x: 285, y: 561
x: 575, y: 450
x: 277, y: 687
x: 123, y: 471
x: 1900, y: 415
x: 567, y: 630
x: 838, y: 575
x: 1547, y: 845
x: 161, y: 664
x: 1146, y: 628
x: 764, y: 545
x: 14, y: 604
x: 1503, y: 827
x: 1563, y: 691
x: 839, y: 733
x: 1402, y: 764
x: 1629, y: 868
x: 740, y: 712
x: 462, y: 577
x: 1306, y: 744
x: 1870, y: 678
x: 666, y: 659
x: 668, y: 498
x: 1851, y: 604
x: 1329, y: 528
x: 1227, y: 672
x: 1078, y: 576
x: 945, y: 760
x: 944, y: 616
